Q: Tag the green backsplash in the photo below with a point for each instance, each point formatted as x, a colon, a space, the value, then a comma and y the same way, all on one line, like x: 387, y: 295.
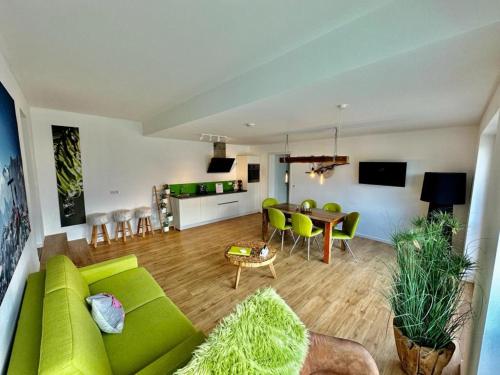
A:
x: 192, y: 187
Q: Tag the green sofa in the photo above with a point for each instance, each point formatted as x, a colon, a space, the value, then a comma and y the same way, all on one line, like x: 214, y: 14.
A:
x: 57, y: 335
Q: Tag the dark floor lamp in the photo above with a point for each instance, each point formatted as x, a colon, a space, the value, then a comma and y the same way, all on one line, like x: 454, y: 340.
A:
x: 443, y: 190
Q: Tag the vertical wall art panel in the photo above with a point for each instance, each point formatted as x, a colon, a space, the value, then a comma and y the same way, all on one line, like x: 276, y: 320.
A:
x: 66, y: 141
x: 14, y: 219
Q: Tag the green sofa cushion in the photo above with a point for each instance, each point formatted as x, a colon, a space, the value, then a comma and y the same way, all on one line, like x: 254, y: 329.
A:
x: 175, y: 358
x: 26, y: 349
x: 133, y: 288
x: 62, y: 273
x: 71, y: 342
x: 150, y: 331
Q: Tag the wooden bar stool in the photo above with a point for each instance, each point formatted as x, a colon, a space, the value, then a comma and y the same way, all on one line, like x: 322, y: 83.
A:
x: 122, y: 219
x: 143, y: 215
x: 97, y: 220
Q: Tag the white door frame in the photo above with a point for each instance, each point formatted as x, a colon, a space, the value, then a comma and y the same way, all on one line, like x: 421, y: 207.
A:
x: 271, y: 174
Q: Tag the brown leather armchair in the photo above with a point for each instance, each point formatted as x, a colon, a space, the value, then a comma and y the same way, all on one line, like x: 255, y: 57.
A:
x: 334, y: 356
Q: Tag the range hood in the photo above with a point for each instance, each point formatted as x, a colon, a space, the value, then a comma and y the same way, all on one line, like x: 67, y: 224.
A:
x: 219, y: 163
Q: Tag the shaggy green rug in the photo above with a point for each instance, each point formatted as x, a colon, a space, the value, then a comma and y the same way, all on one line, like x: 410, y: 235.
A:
x: 261, y: 336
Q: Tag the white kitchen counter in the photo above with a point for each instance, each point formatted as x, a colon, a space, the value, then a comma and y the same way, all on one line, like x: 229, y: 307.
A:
x: 198, y: 210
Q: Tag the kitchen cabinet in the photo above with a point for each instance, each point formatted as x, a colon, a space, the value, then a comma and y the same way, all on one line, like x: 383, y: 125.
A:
x: 186, y: 212
x: 194, y: 211
x: 209, y: 209
x: 228, y: 209
x: 254, y: 200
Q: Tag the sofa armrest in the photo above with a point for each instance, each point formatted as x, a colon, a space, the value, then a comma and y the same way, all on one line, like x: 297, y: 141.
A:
x: 26, y: 350
x: 99, y: 271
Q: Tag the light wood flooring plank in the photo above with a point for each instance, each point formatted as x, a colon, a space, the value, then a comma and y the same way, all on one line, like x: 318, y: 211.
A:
x: 343, y: 299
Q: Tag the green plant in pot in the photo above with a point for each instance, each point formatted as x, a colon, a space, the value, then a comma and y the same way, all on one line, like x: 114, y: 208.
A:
x: 166, y: 226
x: 426, y: 294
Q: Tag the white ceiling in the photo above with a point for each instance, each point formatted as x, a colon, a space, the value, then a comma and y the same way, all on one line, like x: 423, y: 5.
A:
x: 444, y: 84
x: 129, y: 59
x: 187, y: 67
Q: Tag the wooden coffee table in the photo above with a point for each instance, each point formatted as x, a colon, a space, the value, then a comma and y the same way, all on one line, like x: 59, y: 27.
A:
x: 254, y: 260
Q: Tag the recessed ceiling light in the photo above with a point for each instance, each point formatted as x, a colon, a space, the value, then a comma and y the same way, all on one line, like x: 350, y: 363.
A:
x: 342, y: 106
x: 250, y: 125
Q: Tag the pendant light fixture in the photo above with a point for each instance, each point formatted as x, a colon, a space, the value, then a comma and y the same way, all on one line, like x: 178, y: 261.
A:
x: 323, y: 165
x: 287, y: 177
x: 312, y: 173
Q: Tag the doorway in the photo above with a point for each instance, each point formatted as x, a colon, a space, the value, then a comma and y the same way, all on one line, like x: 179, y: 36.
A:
x: 279, y: 178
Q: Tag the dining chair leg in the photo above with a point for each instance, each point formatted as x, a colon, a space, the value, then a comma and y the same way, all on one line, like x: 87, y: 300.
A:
x: 350, y: 250
x: 317, y: 243
x: 272, y: 235
x: 308, y: 246
x: 291, y: 232
x: 282, y: 238
x: 295, y: 243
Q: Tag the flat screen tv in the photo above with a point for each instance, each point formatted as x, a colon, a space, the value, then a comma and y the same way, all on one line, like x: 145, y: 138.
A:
x: 382, y: 173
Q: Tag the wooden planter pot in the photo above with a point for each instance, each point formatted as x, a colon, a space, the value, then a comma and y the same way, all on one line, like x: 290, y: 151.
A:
x: 421, y: 360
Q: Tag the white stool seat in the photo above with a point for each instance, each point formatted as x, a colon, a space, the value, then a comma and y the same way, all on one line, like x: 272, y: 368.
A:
x: 98, y: 218
x: 143, y: 212
x: 122, y: 215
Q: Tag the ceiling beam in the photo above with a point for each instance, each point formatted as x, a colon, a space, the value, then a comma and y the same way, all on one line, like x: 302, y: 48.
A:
x: 337, y: 160
x: 397, y: 28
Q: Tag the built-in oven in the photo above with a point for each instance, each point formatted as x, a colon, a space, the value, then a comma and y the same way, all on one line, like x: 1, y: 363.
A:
x: 253, y: 172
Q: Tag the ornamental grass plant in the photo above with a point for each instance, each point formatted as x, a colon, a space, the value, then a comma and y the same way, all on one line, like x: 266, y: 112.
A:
x: 428, y: 282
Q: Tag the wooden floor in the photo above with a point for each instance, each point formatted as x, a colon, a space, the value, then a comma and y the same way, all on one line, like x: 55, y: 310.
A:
x: 343, y: 299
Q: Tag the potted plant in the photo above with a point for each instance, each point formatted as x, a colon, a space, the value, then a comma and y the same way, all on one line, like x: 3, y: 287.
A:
x: 169, y: 217
x: 163, y: 207
x: 166, y: 226
x: 426, y: 294
x: 166, y: 189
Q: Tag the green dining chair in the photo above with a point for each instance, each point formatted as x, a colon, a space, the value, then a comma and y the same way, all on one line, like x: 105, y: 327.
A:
x: 348, y: 231
x: 269, y: 202
x: 302, y: 226
x: 332, y: 207
x: 278, y: 220
x: 312, y: 203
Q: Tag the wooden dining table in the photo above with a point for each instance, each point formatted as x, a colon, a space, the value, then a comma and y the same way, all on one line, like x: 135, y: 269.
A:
x: 327, y: 218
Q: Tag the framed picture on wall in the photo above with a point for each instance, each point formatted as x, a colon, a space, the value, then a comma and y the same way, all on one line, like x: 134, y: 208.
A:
x: 68, y: 161
x: 14, y: 219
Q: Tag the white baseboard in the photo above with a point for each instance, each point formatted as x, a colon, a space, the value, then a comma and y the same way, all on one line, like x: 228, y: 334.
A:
x: 199, y: 224
x: 374, y: 238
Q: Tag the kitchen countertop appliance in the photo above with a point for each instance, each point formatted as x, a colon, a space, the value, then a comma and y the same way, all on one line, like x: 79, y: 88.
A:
x: 202, y: 189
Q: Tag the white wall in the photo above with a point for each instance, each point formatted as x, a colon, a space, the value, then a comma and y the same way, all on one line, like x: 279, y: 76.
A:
x: 116, y: 156
x: 482, y: 357
x: 479, y: 199
x: 383, y: 209
x: 489, y: 274
x: 28, y: 262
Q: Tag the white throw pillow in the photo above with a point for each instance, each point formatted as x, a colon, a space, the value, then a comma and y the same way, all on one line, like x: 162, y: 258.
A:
x: 107, y: 312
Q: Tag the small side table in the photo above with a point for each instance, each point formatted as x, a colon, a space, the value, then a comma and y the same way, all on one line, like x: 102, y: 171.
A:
x: 254, y: 260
